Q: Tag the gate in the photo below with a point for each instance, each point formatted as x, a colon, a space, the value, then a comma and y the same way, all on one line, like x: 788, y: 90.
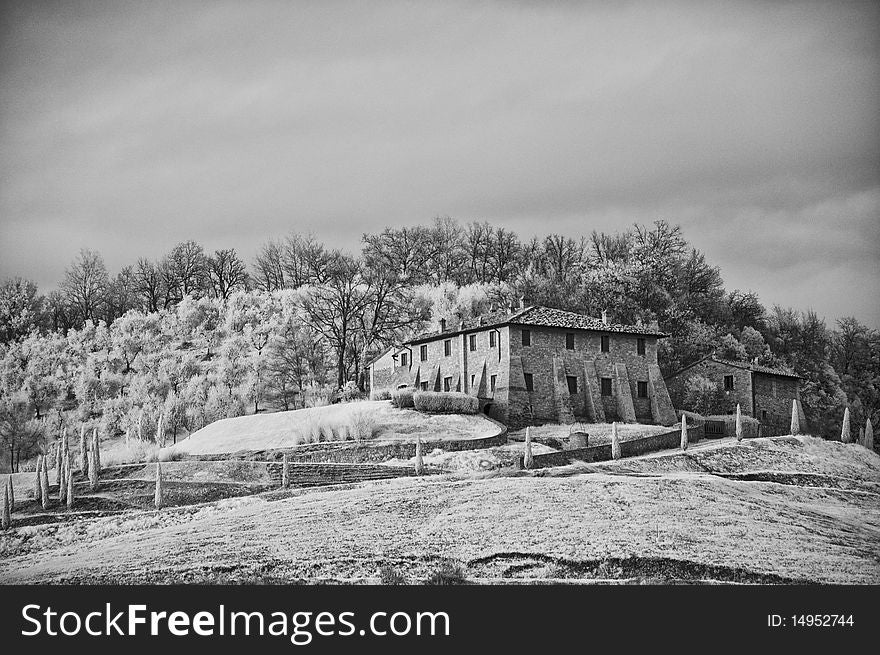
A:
x: 714, y: 429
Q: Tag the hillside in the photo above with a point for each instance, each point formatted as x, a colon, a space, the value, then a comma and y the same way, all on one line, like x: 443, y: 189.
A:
x: 328, y: 423
x: 657, y: 518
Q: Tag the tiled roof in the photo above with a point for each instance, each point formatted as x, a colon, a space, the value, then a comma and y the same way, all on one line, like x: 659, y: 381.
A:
x: 757, y: 368
x: 546, y: 316
x: 543, y: 317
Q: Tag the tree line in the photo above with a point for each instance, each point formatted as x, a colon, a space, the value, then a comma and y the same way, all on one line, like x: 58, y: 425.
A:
x: 208, y: 335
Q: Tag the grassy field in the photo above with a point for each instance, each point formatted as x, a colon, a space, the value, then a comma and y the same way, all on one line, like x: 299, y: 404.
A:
x: 329, y: 423
x: 689, y: 517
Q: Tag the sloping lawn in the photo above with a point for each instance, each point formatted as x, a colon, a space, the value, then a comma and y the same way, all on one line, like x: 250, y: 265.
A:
x: 339, y: 422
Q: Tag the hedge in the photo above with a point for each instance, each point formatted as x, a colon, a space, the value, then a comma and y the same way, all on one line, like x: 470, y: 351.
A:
x: 446, y: 402
x: 403, y: 397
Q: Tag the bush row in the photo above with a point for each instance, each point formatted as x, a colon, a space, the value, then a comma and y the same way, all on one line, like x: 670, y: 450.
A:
x: 446, y: 402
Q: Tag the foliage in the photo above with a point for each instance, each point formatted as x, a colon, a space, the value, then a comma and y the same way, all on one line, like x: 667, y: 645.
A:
x: 448, y: 572
x: 380, y: 394
x: 403, y: 397
x: 198, y: 329
x: 445, y: 402
x: 388, y: 575
x: 701, y: 394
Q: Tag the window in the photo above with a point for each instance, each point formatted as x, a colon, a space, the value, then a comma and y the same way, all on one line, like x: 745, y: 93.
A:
x: 447, y: 348
x: 606, y: 386
x: 569, y: 340
x: 527, y: 337
x: 492, y: 336
x: 472, y: 342
x: 492, y: 382
x: 763, y: 414
x: 728, y: 382
x: 423, y: 386
x: 572, y: 383
x: 640, y: 346
x: 641, y: 389
x: 606, y: 342
x: 473, y: 379
x: 447, y: 384
x: 403, y: 359
x: 423, y: 353
x: 530, y: 383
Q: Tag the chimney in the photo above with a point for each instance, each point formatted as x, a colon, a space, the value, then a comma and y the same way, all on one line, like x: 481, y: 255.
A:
x: 605, y: 316
x: 443, y: 325
x: 522, y: 302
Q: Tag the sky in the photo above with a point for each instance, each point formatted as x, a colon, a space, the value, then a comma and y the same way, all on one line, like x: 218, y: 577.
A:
x: 129, y: 127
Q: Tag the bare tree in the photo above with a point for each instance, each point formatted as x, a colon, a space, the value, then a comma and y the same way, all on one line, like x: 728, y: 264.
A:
x: 226, y: 273
x: 148, y: 284
x: 85, y: 285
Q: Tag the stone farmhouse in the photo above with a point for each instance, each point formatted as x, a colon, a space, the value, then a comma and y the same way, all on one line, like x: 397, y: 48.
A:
x: 763, y: 393
x: 532, y: 365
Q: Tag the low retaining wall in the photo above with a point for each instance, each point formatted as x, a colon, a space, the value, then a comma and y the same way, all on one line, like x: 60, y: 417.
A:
x: 311, y: 475
x: 629, y: 448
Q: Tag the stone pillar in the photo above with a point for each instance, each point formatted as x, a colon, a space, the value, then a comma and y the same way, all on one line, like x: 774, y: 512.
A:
x: 662, y: 411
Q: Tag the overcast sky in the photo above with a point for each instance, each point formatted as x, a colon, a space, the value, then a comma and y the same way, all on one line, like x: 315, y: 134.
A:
x: 129, y: 127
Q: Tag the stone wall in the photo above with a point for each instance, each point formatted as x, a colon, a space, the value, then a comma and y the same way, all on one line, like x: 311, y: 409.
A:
x: 310, y: 475
x: 587, y: 359
x: 742, y: 386
x: 631, y: 448
x: 774, y: 394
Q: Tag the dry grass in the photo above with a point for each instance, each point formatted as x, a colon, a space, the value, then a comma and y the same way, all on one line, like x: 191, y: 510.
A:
x: 350, y: 533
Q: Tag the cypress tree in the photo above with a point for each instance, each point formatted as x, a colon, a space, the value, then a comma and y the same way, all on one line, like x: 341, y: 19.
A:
x: 96, y: 447
x: 420, y: 466
x: 158, y: 497
x: 140, y: 425
x: 615, y: 442
x: 845, y: 435
x: 739, y: 423
x: 44, y: 485
x: 528, y: 459
x: 37, y: 474
x: 6, y: 521
x: 795, y: 420
x: 861, y: 440
x: 58, y: 462
x: 83, y: 451
x: 285, y: 472
x: 62, y: 483
x: 869, y: 435
x: 93, y: 472
x: 684, y: 433
x: 160, y: 438
x: 69, y: 486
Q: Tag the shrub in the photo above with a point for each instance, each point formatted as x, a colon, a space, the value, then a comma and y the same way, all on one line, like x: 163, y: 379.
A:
x: 447, y: 573
x: 350, y: 393
x: 702, y: 394
x: 403, y: 397
x: 361, y: 424
x: 380, y: 394
x: 318, y: 396
x: 446, y: 402
x: 388, y: 575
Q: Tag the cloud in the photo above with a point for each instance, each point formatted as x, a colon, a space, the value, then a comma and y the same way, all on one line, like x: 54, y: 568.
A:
x: 129, y: 127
